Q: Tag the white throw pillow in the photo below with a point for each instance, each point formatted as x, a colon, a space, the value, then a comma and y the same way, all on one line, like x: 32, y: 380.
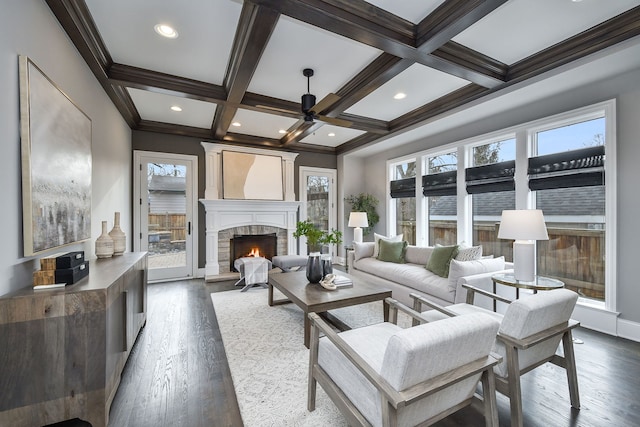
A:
x: 469, y: 253
x: 377, y: 237
x: 458, y: 269
x: 362, y: 250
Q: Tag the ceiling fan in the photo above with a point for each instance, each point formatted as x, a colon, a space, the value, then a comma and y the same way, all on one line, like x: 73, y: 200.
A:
x: 310, y: 109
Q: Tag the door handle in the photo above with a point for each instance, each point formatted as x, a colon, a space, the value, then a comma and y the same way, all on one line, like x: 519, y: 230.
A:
x: 189, y: 228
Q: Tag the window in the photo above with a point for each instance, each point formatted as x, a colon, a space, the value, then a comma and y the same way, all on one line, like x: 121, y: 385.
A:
x: 568, y: 179
x: 491, y: 183
x: 403, y: 194
x: 563, y: 165
x: 440, y: 188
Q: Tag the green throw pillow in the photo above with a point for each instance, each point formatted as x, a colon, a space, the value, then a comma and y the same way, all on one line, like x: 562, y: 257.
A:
x: 441, y: 258
x: 392, y: 251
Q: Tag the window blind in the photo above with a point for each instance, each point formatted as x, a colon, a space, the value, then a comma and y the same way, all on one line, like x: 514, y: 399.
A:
x: 491, y: 178
x: 403, y: 188
x: 575, y: 168
x: 439, y: 184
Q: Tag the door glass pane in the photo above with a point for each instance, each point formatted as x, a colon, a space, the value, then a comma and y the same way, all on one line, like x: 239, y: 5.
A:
x: 318, y: 201
x: 166, y: 197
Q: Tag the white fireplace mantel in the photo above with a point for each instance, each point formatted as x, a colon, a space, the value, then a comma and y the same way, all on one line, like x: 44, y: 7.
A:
x: 222, y: 214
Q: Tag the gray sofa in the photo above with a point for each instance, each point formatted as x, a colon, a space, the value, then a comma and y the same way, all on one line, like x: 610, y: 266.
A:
x: 413, y: 276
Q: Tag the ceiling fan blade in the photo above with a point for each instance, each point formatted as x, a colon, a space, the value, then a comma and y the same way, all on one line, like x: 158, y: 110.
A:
x: 334, y: 121
x: 283, y: 110
x: 325, y: 103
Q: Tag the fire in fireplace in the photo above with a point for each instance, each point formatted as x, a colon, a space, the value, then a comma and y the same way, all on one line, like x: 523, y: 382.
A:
x: 259, y: 245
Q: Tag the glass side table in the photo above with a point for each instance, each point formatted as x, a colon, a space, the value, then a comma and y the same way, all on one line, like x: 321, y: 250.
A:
x: 539, y: 283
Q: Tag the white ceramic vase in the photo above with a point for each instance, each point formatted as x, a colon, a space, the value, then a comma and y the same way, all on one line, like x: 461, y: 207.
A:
x: 104, y: 243
x: 118, y: 236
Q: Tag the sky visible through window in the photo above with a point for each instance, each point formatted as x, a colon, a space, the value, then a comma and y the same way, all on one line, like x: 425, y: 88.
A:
x: 565, y: 138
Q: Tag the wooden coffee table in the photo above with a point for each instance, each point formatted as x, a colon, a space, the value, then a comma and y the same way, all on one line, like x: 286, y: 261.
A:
x: 313, y: 298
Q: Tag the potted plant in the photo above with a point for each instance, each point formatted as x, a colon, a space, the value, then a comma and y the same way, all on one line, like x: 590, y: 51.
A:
x: 316, y: 237
x: 365, y: 202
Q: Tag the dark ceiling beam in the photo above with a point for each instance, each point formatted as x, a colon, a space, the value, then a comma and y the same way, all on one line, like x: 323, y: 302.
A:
x: 253, y: 32
x: 450, y: 19
x: 356, y: 24
x: 173, y: 129
x: 298, y: 131
x: 420, y: 115
x: 154, y: 81
x: 76, y: 20
x: 469, y: 58
x: 609, y: 33
x: 604, y: 35
x: 267, y: 104
x: 381, y: 70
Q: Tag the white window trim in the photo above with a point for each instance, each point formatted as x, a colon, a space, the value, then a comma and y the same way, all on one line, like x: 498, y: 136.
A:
x: 599, y: 314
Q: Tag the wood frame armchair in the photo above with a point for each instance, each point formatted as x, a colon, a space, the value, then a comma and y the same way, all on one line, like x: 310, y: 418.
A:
x: 523, y: 344
x: 422, y: 400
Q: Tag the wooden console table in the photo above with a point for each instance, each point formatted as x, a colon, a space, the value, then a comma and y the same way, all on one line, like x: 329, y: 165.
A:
x: 62, y: 350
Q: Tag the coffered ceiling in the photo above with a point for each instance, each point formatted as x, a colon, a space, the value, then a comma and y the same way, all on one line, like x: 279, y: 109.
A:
x: 241, y: 63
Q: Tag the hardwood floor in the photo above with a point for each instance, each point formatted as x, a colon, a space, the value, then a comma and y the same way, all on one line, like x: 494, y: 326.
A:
x: 177, y: 374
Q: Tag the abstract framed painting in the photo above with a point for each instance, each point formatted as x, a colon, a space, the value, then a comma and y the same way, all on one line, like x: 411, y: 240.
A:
x: 251, y: 176
x: 56, y: 164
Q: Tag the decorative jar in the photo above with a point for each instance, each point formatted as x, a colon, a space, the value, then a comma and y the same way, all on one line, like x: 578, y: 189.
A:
x: 314, y: 268
x: 118, y: 236
x: 104, y: 243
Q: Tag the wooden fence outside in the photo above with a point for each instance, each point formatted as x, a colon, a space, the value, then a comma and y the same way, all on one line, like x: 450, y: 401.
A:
x: 169, y: 222
x: 575, y: 256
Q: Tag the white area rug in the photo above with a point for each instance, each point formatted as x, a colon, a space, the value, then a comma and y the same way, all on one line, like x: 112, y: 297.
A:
x: 269, y: 362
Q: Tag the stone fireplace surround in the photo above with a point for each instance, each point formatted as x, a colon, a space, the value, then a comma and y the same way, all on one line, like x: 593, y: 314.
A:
x: 253, y: 215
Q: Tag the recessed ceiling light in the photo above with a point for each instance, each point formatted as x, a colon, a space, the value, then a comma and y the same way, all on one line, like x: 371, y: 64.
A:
x: 176, y: 108
x: 331, y: 134
x: 576, y: 1
x: 400, y: 95
x: 282, y: 131
x: 166, y: 31
x: 236, y: 124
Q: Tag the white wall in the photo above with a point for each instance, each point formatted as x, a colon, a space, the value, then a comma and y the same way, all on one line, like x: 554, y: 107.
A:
x: 625, y: 89
x: 29, y: 28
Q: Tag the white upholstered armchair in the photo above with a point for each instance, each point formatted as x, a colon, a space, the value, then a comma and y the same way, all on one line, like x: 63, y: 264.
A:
x: 530, y: 332
x: 383, y: 375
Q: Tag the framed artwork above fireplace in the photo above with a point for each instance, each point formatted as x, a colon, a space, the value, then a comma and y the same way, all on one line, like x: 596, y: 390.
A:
x: 247, y: 176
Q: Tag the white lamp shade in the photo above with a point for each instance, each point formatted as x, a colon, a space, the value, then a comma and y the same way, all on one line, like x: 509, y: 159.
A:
x: 523, y: 224
x: 358, y: 219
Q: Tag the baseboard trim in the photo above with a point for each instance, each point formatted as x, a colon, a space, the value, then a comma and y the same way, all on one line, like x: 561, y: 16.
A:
x: 596, y: 318
x: 629, y: 330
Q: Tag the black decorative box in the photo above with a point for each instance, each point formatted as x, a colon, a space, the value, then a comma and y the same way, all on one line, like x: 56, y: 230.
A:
x: 72, y: 275
x: 70, y: 260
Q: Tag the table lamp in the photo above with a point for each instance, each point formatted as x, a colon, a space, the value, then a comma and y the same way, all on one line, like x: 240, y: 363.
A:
x: 358, y: 220
x: 525, y: 227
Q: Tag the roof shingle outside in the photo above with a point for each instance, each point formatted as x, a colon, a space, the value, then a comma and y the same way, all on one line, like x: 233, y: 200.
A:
x: 558, y: 202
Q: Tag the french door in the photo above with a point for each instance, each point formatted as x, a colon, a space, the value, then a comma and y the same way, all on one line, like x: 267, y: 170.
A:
x: 165, y: 198
x: 318, y: 197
